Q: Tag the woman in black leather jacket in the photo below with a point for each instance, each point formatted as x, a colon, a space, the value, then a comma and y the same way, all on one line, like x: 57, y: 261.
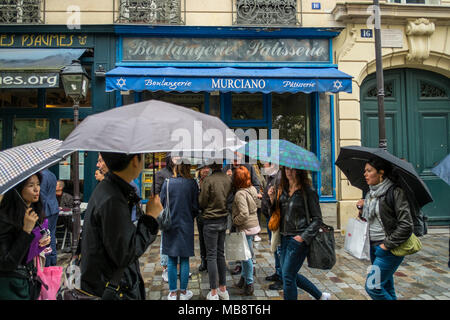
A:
x: 20, y: 209
x: 296, y: 232
x: 388, y: 228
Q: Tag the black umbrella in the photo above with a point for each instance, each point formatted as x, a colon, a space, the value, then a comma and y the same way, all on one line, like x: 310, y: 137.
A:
x: 352, y: 160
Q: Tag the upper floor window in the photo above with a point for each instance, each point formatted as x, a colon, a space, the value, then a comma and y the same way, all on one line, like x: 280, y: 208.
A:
x: 21, y: 11
x: 265, y: 12
x: 150, y: 11
x: 416, y: 1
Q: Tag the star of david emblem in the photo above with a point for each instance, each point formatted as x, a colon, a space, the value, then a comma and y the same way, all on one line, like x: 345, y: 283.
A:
x: 337, y: 84
x: 121, y: 82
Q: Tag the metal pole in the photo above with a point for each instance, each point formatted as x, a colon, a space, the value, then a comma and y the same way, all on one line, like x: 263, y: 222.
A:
x: 382, y: 141
x: 76, y: 217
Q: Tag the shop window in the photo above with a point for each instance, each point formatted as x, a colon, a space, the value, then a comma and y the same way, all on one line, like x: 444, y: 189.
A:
x: 290, y: 115
x: 30, y: 130
x: 56, y: 98
x: 18, y: 98
x: 21, y: 11
x: 268, y: 12
x: 65, y: 169
x: 214, y: 105
x: 326, y: 163
x: 128, y: 98
x: 194, y: 101
x: 1, y: 134
x: 247, y: 106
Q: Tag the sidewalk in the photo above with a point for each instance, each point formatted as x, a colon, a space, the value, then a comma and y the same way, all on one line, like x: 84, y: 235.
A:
x: 422, y: 276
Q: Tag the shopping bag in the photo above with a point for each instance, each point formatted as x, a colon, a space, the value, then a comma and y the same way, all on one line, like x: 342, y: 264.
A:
x: 357, y: 239
x: 51, y: 280
x: 236, y: 246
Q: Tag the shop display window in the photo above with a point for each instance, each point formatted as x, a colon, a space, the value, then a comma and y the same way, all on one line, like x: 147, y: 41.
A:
x: 290, y: 115
x: 194, y: 101
x: 326, y: 161
x: 30, y: 130
x: 247, y: 106
x: 18, y: 98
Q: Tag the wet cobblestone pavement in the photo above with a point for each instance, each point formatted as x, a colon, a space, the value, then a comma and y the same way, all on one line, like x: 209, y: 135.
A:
x: 422, y: 276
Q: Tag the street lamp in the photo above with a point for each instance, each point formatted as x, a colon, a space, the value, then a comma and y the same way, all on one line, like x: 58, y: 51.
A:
x: 75, y: 81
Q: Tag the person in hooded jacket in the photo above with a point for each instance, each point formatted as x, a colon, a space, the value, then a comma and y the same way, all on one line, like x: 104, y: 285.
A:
x: 111, y: 242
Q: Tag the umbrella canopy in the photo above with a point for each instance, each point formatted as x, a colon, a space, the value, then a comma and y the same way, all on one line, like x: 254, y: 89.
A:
x: 352, y: 160
x: 152, y: 126
x: 19, y: 163
x: 442, y: 170
x: 282, y: 152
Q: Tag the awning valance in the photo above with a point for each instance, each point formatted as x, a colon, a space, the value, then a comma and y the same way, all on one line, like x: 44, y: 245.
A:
x: 228, y: 79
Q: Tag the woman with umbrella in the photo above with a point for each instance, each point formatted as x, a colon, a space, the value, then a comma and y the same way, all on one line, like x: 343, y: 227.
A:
x: 20, y: 212
x: 388, y: 228
x: 296, y: 232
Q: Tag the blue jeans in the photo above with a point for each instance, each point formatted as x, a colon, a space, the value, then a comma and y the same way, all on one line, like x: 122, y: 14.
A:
x: 162, y: 257
x: 276, y: 254
x: 172, y: 273
x: 380, y: 280
x: 247, y: 265
x: 292, y: 255
x: 51, y: 259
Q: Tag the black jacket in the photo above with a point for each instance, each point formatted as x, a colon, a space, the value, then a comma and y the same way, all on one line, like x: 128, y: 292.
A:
x: 397, y: 222
x: 160, y: 177
x: 111, y: 240
x: 272, y: 180
x: 293, y: 215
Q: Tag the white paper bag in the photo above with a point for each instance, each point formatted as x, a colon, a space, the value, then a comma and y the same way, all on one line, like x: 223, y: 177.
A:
x: 236, y: 246
x: 357, y: 239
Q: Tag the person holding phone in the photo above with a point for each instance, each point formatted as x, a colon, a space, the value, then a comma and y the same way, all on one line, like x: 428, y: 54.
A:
x: 21, y: 214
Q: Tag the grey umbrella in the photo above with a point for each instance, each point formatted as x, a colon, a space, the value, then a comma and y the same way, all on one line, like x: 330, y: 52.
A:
x: 152, y: 126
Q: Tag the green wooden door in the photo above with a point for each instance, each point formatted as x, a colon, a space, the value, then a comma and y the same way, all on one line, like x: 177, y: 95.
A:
x: 417, y: 108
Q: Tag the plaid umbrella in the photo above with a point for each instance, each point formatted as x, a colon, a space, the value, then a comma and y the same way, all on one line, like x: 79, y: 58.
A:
x: 282, y: 152
x: 19, y: 163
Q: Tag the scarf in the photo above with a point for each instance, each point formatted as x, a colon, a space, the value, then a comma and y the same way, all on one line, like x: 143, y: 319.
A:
x: 371, y: 203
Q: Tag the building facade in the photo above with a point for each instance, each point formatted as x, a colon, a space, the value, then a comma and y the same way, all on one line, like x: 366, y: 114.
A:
x: 336, y: 35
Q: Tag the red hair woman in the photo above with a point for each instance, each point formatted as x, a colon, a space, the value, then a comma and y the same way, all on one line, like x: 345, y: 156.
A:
x: 245, y: 218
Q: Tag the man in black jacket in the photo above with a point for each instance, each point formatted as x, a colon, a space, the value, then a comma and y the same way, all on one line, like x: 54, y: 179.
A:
x: 111, y: 242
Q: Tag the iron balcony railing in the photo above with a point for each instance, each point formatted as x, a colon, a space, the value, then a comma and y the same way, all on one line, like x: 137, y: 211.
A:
x: 150, y: 11
x: 266, y: 12
x: 22, y: 11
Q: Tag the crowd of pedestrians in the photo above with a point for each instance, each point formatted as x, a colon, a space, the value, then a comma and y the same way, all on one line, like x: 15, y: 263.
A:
x: 117, y: 232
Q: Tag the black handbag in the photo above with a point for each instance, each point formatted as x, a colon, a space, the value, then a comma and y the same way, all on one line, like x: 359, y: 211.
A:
x: 112, y: 289
x: 321, y: 253
x: 164, y: 219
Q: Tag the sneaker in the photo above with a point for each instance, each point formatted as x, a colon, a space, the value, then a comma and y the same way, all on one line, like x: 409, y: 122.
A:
x: 211, y: 297
x: 257, y: 238
x: 165, y: 275
x: 186, y: 296
x: 223, y: 295
x: 325, y: 296
x: 170, y: 297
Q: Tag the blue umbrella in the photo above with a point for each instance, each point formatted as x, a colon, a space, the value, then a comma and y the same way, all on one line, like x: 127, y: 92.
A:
x: 19, y: 163
x: 442, y: 170
x: 282, y: 152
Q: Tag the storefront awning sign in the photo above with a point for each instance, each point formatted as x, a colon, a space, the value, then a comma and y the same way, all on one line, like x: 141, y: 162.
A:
x: 279, y: 80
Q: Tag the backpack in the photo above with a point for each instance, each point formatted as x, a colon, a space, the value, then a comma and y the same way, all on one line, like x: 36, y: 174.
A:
x: 419, y: 219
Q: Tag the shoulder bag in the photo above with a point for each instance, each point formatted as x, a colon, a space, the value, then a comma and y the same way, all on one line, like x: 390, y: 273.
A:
x: 164, y: 219
x: 321, y: 253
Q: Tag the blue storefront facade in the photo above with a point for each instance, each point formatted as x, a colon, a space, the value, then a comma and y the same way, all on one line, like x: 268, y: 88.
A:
x: 250, y: 77
x: 33, y: 104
